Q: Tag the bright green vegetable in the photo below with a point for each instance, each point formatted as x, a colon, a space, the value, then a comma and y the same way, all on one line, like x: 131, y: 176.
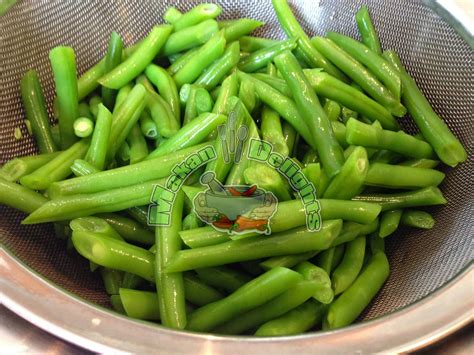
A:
x: 198, y: 293
x: 196, y: 15
x: 83, y: 127
x: 16, y: 168
x: 234, y: 29
x: 253, y: 294
x: 269, y: 179
x: 251, y: 44
x: 288, y: 261
x: 138, y: 145
x: 94, y: 103
x: 223, y: 278
x: 147, y: 126
x: 189, y: 37
x: 35, y: 109
x: 172, y: 15
x: 97, y: 152
x: 20, y: 197
x: 112, y: 59
x: 417, y: 219
x: 348, y: 270
x: 272, y: 131
x: 138, y: 60
x: 129, y: 229
x: 166, y: 87
x: 140, y: 304
x: 262, y: 57
x: 80, y: 167
x: 389, y: 222
x: 367, y: 30
x: 421, y: 163
x: 323, y: 292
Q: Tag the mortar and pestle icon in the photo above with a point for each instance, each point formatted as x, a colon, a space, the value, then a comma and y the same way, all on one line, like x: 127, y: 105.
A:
x: 235, y: 208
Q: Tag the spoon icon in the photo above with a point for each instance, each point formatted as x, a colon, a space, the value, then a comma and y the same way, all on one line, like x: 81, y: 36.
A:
x: 242, y: 133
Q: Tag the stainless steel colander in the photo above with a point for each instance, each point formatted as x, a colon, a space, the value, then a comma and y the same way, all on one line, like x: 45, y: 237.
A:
x: 429, y: 292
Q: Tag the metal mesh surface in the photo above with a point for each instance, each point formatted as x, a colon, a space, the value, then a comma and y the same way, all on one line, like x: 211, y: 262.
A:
x: 439, y: 60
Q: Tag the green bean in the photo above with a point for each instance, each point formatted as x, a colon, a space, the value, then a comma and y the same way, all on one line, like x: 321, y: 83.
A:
x: 269, y: 179
x: 198, y: 293
x: 292, y: 242
x: 113, y: 253
x: 63, y: 64
x: 362, y: 76
x: 272, y: 131
x: 352, y: 176
x: 83, y: 127
x: 196, y: 15
x: 16, y: 168
x: 170, y: 286
x: 223, y: 278
x: 138, y: 145
x: 190, y: 37
x: 367, y: 30
x: 140, y: 304
x: 262, y: 57
x: 293, y: 30
x: 402, y: 177
x: 332, y: 109
x: 147, y: 126
x: 339, y: 130
x: 311, y: 158
x: 251, y: 44
x: 116, y: 303
x: 334, y: 89
x: 204, y: 102
x: 417, y: 219
x: 129, y: 229
x: 138, y: 60
x: 81, y: 205
x: 112, y: 59
x: 122, y: 95
x: 190, y: 135
x: 276, y: 307
x: 204, y: 56
x: 222, y: 66
x: 83, y: 110
x: 20, y: 197
x: 330, y: 258
x: 432, y: 127
x: 287, y: 260
x: 296, y: 321
x: 125, y: 117
x: 191, y: 221
x: 94, y: 103
x: 160, y: 111
x: 290, y: 136
x: 275, y: 82
x: 172, y: 15
x: 352, y: 302
x: 133, y: 281
x: 427, y: 196
x: 166, y: 87
x: 358, y: 133
x: 190, y: 111
x: 182, y: 60
x: 126, y: 175
x: 87, y: 82
x: 386, y: 157
x: 235, y: 29
x: 382, y: 70
x: 312, y: 113
x: 35, y: 109
x: 56, y: 169
x: 94, y: 225
x: 389, y: 222
x: 112, y: 280
x: 253, y: 294
x: 247, y: 95
x: 323, y: 292
x: 346, y: 272
x: 97, y: 152
x: 80, y: 167
x: 377, y: 245
x: 420, y: 163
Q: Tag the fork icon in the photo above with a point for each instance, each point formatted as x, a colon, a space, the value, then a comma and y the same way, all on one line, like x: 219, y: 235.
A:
x: 232, y: 143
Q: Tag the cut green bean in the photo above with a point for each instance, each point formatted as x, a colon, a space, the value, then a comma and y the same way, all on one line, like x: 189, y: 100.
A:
x: 94, y: 103
x: 147, y: 126
x: 138, y: 145
x: 83, y: 127
x: 433, y: 128
x: 138, y: 60
x: 353, y: 301
x: 262, y: 57
x: 287, y: 260
x: 166, y: 87
x: 272, y: 131
x: 421, y: 163
x: 198, y: 293
x: 251, y: 44
x: 122, y: 95
x: 170, y: 286
x: 268, y: 179
x: 63, y: 64
x: 20, y: 197
x: 402, y: 177
x: 190, y: 37
x: 126, y: 175
x: 357, y: 72
x: 35, y: 109
x: 253, y: 294
x: 367, y: 30
x: 427, y: 196
x: 16, y: 168
x: 323, y: 292
x: 352, y: 176
x: 358, y: 133
x: 190, y: 111
x: 97, y: 152
x: 196, y: 15
x: 247, y: 95
x: 223, y: 278
x: 129, y: 229
x: 80, y: 167
x: 297, y: 321
x: 349, y: 268
x: 221, y: 67
x: 83, y: 110
x: 388, y: 75
x: 140, y: 304
x: 292, y: 242
x: 417, y: 219
x: 204, y: 102
x: 276, y: 307
x: 112, y: 280
x: 332, y: 109
x: 57, y: 169
x: 293, y: 30
x: 112, y: 59
x: 181, y: 61
x: 193, y: 133
x: 235, y: 29
x: 389, y: 222
x: 312, y: 113
x: 204, y: 56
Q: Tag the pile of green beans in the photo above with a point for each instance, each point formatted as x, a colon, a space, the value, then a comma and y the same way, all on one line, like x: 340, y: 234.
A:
x: 330, y: 105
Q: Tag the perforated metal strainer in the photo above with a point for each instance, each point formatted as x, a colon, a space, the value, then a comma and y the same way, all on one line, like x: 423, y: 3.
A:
x: 429, y: 291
